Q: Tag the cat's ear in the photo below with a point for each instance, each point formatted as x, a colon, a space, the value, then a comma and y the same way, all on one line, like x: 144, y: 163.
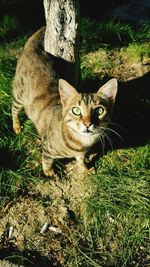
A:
x: 66, y: 91
x: 109, y: 89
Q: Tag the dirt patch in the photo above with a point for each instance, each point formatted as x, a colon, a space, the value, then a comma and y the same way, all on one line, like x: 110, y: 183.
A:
x: 124, y: 64
x: 55, y: 204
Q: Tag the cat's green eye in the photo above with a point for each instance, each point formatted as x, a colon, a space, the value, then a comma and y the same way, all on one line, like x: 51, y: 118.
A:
x: 99, y: 111
x: 76, y: 111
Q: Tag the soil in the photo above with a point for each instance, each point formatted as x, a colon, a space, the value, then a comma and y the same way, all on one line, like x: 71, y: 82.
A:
x: 53, y: 204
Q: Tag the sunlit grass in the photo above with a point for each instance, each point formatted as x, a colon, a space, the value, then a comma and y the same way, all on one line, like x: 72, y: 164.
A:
x: 136, y: 51
x: 13, y: 149
x: 117, y: 218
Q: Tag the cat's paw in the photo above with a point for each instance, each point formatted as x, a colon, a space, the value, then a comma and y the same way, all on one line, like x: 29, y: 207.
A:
x: 84, y: 170
x: 48, y: 172
x: 92, y: 170
x: 17, y: 128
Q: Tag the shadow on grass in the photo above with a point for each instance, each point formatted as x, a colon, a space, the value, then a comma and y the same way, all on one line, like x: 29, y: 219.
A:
x: 26, y: 258
x: 9, y: 160
x: 131, y: 113
x: 132, y: 110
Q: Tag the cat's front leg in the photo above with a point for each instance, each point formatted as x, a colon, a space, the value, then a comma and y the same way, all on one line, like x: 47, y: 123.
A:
x: 15, y: 117
x: 47, y: 163
x: 81, y: 164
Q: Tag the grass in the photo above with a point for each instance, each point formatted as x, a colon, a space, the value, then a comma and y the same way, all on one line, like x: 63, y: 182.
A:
x: 12, y: 148
x: 121, y: 214
x: 138, y: 51
x: 100, y: 41
x: 113, y: 228
x: 111, y: 33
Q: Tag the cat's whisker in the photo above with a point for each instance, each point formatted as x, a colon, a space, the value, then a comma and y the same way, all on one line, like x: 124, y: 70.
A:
x: 107, y: 136
x: 102, y: 141
x: 109, y: 140
x: 115, y: 133
x: 108, y: 129
x: 116, y: 124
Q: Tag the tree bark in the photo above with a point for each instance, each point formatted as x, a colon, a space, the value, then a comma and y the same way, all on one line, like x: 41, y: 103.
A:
x: 62, y: 36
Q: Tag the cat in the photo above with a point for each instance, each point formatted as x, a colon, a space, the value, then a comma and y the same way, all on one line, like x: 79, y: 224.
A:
x: 69, y: 123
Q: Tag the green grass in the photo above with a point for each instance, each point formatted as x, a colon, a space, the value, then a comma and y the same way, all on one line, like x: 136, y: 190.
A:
x: 119, y: 211
x: 13, y: 148
x: 108, y: 45
x: 114, y: 227
x: 9, y: 27
x: 138, y: 50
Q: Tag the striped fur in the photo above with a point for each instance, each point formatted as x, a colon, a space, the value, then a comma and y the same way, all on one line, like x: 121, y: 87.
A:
x: 69, y: 123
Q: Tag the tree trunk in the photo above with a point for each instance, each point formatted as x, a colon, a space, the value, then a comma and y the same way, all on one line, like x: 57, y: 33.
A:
x: 62, y: 38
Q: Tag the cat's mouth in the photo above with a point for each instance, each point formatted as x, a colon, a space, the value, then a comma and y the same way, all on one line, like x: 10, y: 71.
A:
x: 87, y: 131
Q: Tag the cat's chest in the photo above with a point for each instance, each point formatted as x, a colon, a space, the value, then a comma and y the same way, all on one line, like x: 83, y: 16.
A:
x: 88, y: 140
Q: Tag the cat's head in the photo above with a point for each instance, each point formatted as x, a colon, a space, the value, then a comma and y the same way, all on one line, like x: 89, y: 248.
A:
x: 87, y: 113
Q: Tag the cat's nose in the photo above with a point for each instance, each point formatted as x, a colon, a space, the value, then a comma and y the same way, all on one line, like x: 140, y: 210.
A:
x: 87, y: 124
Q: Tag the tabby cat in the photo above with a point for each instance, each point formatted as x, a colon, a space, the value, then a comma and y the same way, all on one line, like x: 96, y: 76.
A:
x: 68, y: 122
